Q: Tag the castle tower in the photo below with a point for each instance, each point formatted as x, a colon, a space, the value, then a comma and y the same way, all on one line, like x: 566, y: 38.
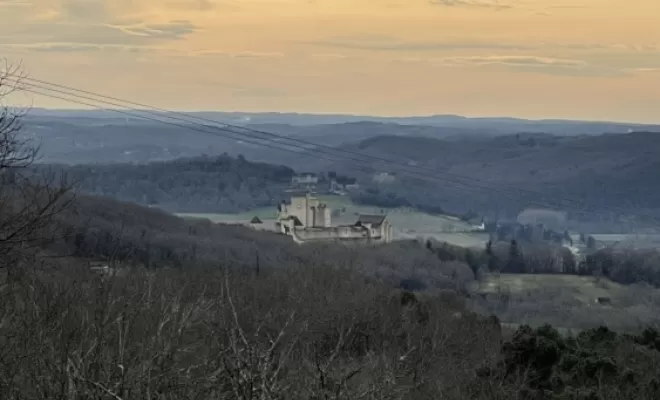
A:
x: 327, y: 214
x: 309, y: 213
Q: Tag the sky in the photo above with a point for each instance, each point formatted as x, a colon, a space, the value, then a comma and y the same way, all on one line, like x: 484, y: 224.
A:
x: 577, y: 59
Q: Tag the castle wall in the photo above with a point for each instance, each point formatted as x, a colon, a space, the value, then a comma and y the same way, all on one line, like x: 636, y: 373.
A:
x: 328, y: 217
x: 317, y: 224
x: 334, y: 233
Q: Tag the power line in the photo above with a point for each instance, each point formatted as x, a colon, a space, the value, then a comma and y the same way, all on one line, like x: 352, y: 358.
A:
x: 416, y: 174
x: 250, y: 134
x: 192, y: 127
x: 316, y: 146
x: 224, y: 131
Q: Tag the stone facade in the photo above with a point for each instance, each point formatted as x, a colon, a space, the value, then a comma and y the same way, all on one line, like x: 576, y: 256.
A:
x: 306, y: 219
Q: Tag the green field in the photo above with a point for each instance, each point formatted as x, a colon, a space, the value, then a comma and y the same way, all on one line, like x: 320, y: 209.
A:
x: 262, y: 213
x: 566, y: 301
x: 583, y: 289
x: 407, y: 223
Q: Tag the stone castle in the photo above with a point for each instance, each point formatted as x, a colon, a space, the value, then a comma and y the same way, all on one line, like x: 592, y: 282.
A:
x: 306, y: 219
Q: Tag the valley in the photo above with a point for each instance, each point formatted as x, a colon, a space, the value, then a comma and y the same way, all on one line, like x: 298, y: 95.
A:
x: 329, y: 200
x: 186, y: 247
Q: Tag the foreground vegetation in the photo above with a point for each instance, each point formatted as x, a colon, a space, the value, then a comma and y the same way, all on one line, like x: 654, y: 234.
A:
x: 304, y: 332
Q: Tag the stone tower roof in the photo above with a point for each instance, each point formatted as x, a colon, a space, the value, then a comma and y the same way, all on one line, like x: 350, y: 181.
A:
x: 373, y: 220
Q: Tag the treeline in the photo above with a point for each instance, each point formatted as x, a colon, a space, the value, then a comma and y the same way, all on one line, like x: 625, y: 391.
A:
x: 623, y: 266
x: 394, y: 196
x: 196, y: 185
x: 436, y: 198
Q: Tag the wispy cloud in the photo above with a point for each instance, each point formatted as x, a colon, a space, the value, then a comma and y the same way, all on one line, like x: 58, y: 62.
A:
x: 543, y: 65
x: 514, y: 60
x: 386, y: 43
x: 89, y: 25
x: 493, y: 4
x: 238, y: 54
x: 15, y: 3
x: 390, y: 43
x: 258, y: 92
x: 99, y: 34
x: 329, y: 56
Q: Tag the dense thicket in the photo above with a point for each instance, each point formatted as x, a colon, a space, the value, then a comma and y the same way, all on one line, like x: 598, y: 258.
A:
x: 220, y: 184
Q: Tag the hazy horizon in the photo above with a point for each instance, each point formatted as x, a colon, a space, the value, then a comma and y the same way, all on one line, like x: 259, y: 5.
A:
x: 357, y: 115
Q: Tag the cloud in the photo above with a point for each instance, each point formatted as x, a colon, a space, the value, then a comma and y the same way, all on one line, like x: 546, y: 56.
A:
x: 328, y: 56
x: 646, y: 69
x: 258, y: 92
x: 65, y: 47
x: 170, y: 30
x: 386, y: 43
x: 543, y: 65
x: 389, y: 43
x: 493, y: 4
x: 86, y: 47
x: 90, y: 25
x: 514, y: 61
x: 15, y: 3
x: 238, y: 54
x: 99, y: 34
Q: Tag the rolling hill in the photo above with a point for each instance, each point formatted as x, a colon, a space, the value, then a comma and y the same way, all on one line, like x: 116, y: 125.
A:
x: 75, y: 137
x: 594, y: 172
x: 200, y: 184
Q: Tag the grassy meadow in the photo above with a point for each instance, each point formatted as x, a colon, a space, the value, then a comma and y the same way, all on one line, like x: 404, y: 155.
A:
x: 566, y: 301
x: 407, y: 223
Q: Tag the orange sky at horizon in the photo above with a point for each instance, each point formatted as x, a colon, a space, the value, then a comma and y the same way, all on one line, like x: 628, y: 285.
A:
x: 596, y: 59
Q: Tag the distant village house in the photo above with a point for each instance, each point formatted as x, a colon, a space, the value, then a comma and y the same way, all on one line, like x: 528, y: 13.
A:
x: 305, y: 180
x: 384, y: 177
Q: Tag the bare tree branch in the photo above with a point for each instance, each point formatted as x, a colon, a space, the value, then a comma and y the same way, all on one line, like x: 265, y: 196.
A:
x: 28, y: 201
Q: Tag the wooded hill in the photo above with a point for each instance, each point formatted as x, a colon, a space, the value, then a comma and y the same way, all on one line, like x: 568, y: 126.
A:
x: 506, y: 174
x: 219, y: 184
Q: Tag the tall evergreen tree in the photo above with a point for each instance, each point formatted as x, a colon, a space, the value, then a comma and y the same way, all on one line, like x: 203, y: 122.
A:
x: 515, y: 263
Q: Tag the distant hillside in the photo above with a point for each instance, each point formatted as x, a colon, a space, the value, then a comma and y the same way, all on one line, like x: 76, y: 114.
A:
x: 500, y: 125
x: 204, y: 184
x: 111, y: 140
x: 614, y: 170
x: 77, y: 137
x: 350, y: 132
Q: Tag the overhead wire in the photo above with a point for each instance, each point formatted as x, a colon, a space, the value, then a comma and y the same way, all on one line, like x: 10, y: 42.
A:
x: 249, y: 135
x: 462, y: 186
x: 366, y: 168
x: 316, y: 146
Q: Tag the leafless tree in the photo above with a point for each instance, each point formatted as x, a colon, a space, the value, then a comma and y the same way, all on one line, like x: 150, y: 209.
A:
x: 28, y: 201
